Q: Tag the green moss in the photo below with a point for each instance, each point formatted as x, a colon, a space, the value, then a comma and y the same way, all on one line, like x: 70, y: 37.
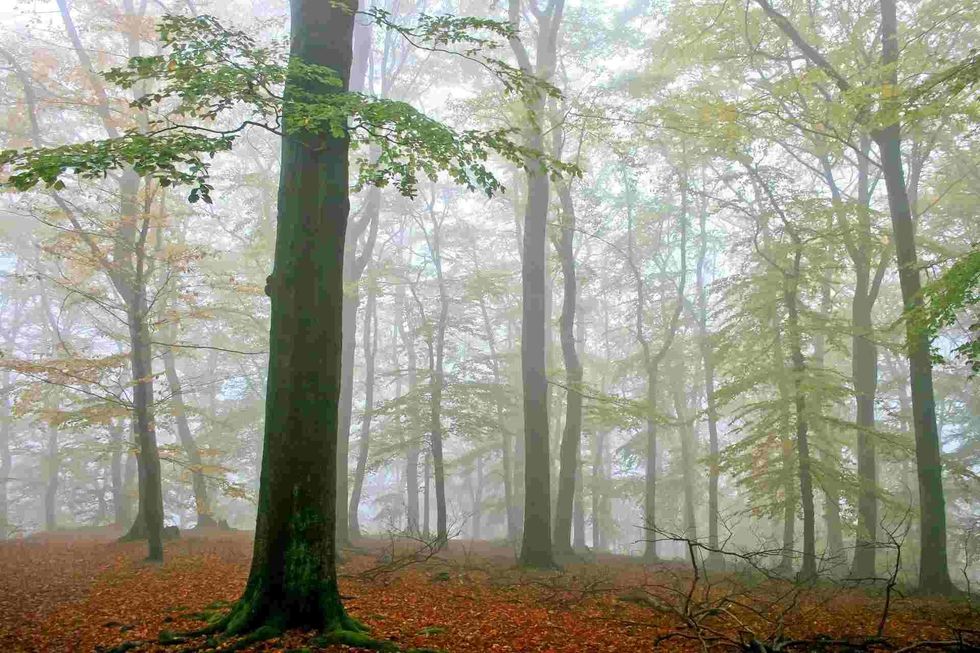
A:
x: 261, y: 634
x: 170, y: 637
x: 432, y: 630
x: 355, y: 638
x: 302, y: 561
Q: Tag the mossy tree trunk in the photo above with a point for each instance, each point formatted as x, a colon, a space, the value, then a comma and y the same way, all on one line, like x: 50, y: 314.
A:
x: 293, y: 578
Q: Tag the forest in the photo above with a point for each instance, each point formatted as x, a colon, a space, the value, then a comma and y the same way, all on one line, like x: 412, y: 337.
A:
x: 514, y: 325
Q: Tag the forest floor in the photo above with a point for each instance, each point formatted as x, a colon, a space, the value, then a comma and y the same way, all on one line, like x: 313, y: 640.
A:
x: 85, y: 592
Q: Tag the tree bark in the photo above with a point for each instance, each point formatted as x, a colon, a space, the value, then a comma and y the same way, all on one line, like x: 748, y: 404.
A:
x: 293, y: 580
x: 933, y: 567
x: 571, y: 441
x: 149, y: 516
x: 536, y: 550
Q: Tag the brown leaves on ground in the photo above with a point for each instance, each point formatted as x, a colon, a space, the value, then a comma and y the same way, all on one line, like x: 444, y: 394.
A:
x: 59, y: 593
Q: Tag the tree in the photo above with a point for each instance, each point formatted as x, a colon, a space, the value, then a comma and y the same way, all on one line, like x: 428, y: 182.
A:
x: 886, y: 131
x: 536, y: 548
x: 652, y: 357
x: 569, y: 473
x: 292, y: 581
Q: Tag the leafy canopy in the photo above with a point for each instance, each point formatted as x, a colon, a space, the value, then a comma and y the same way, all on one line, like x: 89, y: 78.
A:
x: 208, y: 76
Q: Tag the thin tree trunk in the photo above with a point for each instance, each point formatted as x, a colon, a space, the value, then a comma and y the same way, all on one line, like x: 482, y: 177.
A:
x: 426, y: 531
x: 478, y: 499
x: 412, y: 454
x: 711, y: 412
x: 149, y: 517
x: 505, y: 435
x: 864, y: 356
x: 809, y: 568
x: 120, y: 506
x: 6, y: 459
x: 370, y: 346
x: 688, y: 455
x: 598, y: 444
x: 571, y: 442
x: 650, y: 472
x: 52, y: 463
x: 201, y: 504
x: 354, y: 266
x: 578, y: 512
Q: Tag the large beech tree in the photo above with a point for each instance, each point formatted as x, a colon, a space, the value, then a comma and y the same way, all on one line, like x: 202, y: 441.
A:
x: 293, y: 579
x: 206, y: 70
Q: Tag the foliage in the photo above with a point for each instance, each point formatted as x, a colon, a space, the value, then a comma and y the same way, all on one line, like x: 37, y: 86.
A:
x: 956, y: 291
x: 209, y: 71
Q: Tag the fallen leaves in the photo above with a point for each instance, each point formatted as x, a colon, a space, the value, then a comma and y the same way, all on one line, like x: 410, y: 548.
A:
x: 92, y: 593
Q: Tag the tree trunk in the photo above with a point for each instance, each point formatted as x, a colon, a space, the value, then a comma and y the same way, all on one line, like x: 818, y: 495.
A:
x: 578, y: 512
x: 688, y: 455
x: 830, y: 486
x: 864, y: 355
x: 370, y: 346
x: 426, y: 530
x: 786, y: 453
x: 412, y: 453
x: 934, y: 566
x: 536, y: 548
x: 354, y: 266
x: 201, y: 504
x: 348, y: 350
x: 505, y: 435
x: 149, y: 516
x: 571, y: 441
x: 6, y: 459
x: 598, y: 444
x: 711, y: 412
x: 120, y: 505
x: 52, y: 463
x: 293, y: 580
x: 478, y: 500
x: 808, y: 570
x: 864, y: 374
x: 650, y: 479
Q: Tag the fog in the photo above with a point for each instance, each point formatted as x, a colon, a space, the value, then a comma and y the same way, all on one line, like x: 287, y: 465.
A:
x: 684, y: 283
